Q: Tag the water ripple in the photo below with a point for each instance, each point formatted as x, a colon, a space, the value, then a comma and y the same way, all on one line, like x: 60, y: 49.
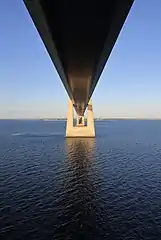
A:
x: 103, y: 188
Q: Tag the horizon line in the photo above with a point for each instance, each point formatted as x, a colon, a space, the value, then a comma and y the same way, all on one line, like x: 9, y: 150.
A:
x: 96, y: 118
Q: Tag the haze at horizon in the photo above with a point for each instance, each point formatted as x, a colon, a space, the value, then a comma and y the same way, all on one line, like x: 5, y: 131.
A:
x: 128, y: 87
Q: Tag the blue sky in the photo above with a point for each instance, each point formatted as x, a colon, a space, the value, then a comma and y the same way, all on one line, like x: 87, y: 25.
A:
x: 130, y: 85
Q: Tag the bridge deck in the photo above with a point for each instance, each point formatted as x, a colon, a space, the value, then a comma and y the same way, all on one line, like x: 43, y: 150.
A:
x: 79, y: 36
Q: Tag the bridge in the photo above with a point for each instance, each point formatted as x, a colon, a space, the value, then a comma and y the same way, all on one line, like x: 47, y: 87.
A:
x: 79, y: 37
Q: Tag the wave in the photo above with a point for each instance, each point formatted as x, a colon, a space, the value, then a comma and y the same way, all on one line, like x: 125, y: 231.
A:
x: 35, y: 134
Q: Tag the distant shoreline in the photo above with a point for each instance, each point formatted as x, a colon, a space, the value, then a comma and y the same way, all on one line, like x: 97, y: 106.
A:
x: 64, y: 119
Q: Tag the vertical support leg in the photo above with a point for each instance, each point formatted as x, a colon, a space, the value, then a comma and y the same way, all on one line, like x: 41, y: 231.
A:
x: 83, y: 122
x: 70, y: 116
x: 90, y: 118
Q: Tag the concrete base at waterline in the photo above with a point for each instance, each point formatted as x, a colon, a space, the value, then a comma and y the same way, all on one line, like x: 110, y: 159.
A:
x: 80, y: 131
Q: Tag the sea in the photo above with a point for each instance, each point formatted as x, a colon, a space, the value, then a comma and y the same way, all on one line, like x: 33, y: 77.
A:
x: 108, y: 187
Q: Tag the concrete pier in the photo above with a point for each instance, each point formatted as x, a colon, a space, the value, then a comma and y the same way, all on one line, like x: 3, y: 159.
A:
x: 80, y: 130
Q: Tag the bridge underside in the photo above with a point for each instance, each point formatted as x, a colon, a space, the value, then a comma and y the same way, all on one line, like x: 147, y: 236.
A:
x: 79, y: 37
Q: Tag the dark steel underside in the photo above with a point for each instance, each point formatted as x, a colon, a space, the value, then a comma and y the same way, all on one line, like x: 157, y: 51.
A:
x: 79, y: 36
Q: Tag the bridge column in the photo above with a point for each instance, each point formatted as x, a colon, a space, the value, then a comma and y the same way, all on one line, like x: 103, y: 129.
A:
x: 70, y: 116
x: 90, y: 118
x: 80, y: 130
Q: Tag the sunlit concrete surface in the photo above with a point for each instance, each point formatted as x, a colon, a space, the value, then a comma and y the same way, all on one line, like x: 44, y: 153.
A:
x: 80, y: 130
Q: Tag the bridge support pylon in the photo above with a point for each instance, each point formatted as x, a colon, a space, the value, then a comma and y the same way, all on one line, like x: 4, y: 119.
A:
x: 80, y: 130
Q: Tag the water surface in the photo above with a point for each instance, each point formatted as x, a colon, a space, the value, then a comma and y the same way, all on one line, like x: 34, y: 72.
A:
x: 103, y: 188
